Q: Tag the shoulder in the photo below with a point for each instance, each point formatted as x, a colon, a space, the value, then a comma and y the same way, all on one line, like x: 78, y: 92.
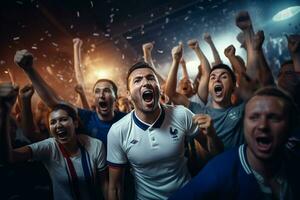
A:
x: 196, y: 107
x: 44, y: 143
x: 121, y: 125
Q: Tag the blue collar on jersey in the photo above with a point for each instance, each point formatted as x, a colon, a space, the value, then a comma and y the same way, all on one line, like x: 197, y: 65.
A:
x: 144, y: 126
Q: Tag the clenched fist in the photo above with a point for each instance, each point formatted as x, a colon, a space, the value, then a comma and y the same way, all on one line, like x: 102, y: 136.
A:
x: 177, y: 52
x: 148, y: 46
x: 8, y: 95
x: 205, y: 124
x: 24, y: 59
x: 229, y: 51
x: 243, y: 20
x: 193, y: 44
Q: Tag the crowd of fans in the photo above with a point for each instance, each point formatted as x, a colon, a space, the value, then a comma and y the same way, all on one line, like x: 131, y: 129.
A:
x: 232, y: 133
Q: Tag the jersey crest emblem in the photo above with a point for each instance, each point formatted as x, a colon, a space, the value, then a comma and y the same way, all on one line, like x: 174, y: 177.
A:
x: 174, y: 132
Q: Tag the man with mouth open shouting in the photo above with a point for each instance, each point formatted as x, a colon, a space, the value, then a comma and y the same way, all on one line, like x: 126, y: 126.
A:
x: 95, y: 124
x: 220, y: 83
x: 262, y: 169
x: 151, y: 140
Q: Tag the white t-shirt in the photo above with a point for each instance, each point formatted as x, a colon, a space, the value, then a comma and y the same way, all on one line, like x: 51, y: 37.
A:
x: 155, y: 152
x: 48, y: 152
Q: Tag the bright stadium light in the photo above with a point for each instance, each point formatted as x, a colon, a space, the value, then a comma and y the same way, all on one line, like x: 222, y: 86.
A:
x: 286, y: 13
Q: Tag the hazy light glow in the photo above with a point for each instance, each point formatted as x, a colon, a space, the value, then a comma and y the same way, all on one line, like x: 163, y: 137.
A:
x: 286, y: 13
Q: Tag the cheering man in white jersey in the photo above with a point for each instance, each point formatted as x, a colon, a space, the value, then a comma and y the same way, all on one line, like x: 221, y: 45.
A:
x: 151, y: 140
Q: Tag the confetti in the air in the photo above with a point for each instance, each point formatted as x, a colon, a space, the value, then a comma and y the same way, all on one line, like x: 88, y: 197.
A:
x: 54, y: 44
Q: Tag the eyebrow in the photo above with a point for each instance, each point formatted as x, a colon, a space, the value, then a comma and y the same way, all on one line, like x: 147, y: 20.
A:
x: 225, y: 72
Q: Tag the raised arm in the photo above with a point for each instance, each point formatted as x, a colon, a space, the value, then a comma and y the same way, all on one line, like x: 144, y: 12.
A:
x: 171, y: 84
x: 237, y: 64
x: 115, y: 184
x: 12, y: 78
x: 147, y: 51
x: 77, y: 44
x: 257, y: 67
x: 24, y: 59
x: 217, y: 59
x: 208, y: 137
x: 294, y: 49
x: 80, y: 91
x: 184, y: 69
x: 8, y: 95
x: 205, y: 70
x: 27, y: 123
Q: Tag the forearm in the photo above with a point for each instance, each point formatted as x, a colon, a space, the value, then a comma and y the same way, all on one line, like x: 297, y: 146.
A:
x: 148, y: 59
x: 196, y: 82
x: 84, y: 101
x: 115, y: 193
x: 43, y: 89
x: 172, y: 80
x: 265, y: 74
x: 27, y: 123
x: 296, y: 61
x: 184, y: 71
x: 203, y: 83
x: 77, y: 64
x: 5, y: 141
x: 204, y: 62
x: 214, y: 144
x: 216, y: 55
x: 252, y: 62
x: 238, y: 67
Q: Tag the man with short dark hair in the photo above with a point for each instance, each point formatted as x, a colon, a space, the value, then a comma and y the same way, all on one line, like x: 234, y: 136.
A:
x: 227, y: 117
x: 151, y: 139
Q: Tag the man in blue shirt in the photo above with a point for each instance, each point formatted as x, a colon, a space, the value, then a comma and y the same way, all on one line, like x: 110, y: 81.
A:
x: 262, y: 169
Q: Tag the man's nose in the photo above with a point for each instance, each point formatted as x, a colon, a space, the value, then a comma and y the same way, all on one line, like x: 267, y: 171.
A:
x: 263, y: 124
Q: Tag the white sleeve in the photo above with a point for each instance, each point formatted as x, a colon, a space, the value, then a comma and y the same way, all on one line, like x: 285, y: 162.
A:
x: 192, y: 128
x: 101, y: 157
x: 42, y: 150
x: 116, y: 156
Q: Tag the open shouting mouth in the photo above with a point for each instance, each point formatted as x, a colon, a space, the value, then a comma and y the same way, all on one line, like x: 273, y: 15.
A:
x: 218, y: 90
x: 148, y: 96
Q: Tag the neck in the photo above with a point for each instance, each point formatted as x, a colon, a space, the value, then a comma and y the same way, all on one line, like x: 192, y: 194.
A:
x: 266, y: 168
x: 71, y: 147
x: 149, y: 117
x: 107, y: 117
x: 223, y: 104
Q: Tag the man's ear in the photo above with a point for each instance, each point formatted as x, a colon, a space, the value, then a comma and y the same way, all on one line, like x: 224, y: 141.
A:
x: 128, y: 95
